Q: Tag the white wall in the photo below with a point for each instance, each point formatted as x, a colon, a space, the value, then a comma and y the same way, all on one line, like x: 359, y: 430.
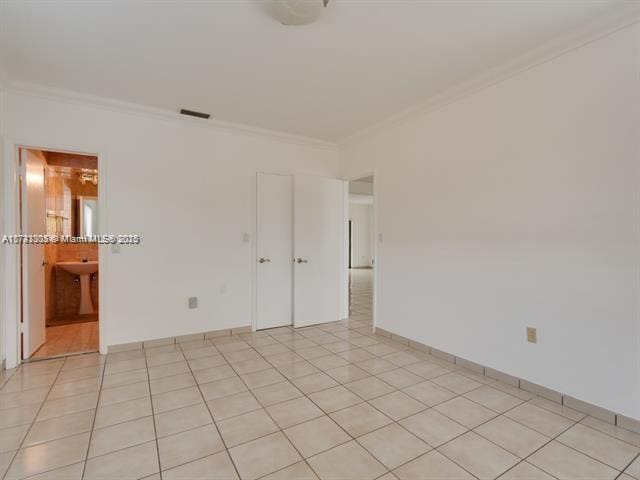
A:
x: 361, y: 216
x: 519, y: 205
x: 2, y: 265
x: 188, y: 189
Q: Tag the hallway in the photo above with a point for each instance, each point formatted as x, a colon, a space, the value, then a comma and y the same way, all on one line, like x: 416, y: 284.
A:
x: 361, y: 294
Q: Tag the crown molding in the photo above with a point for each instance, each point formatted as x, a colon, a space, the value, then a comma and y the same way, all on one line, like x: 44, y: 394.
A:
x: 627, y: 15
x: 118, y: 106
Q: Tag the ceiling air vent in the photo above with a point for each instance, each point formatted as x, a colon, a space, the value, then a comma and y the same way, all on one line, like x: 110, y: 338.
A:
x: 193, y: 113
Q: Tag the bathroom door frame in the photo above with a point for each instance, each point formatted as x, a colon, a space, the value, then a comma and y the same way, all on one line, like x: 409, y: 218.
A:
x: 10, y: 285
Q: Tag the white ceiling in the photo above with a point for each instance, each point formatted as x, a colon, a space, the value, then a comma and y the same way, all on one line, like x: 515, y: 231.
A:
x: 361, y: 62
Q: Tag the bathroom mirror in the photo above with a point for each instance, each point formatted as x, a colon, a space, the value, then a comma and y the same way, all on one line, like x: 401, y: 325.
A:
x: 87, y: 216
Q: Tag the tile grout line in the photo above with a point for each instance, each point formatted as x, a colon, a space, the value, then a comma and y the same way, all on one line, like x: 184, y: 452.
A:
x: 280, y: 430
x: 583, y: 453
x: 153, y: 415
x: 637, y: 457
x: 551, y: 440
x: 605, y: 433
x: 397, y: 422
x: 5, y: 379
x: 200, y: 426
x: 213, y: 420
x: 33, y: 421
x: 354, y: 439
x: 365, y: 401
x: 95, y: 414
x: 520, y: 459
x: 327, y: 414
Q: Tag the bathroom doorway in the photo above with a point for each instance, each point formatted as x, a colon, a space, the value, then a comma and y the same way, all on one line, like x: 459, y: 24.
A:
x: 59, y: 276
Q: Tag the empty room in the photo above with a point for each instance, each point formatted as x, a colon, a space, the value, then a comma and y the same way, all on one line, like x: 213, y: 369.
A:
x: 320, y: 239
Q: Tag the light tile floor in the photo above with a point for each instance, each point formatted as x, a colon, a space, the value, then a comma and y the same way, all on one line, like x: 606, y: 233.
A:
x: 361, y: 293
x: 66, y: 339
x: 329, y: 402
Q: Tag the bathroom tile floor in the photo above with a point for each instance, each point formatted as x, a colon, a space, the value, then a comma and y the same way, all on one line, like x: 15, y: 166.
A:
x: 71, y: 338
x: 330, y: 402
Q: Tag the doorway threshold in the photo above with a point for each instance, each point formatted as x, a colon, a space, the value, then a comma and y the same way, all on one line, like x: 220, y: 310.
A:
x: 61, y: 355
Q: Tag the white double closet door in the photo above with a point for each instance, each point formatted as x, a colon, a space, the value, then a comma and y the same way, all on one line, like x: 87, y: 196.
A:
x: 300, y: 250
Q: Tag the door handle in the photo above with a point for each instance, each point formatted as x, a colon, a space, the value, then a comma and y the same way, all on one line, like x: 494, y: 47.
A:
x: 264, y: 260
x: 301, y: 260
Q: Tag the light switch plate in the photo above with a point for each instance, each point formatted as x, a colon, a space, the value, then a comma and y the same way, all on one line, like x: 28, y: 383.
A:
x: 532, y: 335
x: 193, y: 302
x: 246, y: 237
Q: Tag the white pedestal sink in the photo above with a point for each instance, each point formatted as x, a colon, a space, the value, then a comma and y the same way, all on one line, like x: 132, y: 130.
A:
x: 83, y: 270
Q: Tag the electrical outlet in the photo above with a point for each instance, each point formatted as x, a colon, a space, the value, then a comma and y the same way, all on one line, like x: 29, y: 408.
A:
x: 246, y: 237
x: 193, y: 302
x: 532, y: 335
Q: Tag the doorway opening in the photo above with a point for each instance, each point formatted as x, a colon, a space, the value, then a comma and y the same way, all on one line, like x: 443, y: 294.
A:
x: 361, y: 245
x: 58, y: 198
